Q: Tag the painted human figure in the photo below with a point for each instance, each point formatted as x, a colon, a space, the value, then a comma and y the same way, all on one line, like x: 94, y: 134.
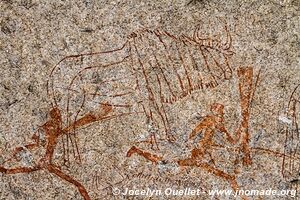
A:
x: 53, y: 130
x: 210, y: 124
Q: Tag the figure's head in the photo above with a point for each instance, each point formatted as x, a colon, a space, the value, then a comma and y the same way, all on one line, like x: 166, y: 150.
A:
x: 217, y: 109
x: 55, y: 113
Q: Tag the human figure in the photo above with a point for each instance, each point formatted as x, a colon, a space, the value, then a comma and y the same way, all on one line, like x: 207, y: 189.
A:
x: 53, y: 130
x: 210, y: 124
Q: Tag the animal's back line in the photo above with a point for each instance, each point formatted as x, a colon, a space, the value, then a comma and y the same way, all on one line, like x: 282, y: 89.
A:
x: 183, y: 60
x: 195, y: 39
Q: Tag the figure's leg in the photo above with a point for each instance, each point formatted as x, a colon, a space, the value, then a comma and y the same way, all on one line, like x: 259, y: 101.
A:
x: 54, y: 170
x: 197, y: 154
x: 152, y: 157
x: 192, y: 163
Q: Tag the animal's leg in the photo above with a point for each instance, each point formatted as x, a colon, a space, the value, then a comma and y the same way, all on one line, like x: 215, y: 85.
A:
x: 170, y: 136
x: 160, y: 111
x: 159, y: 104
x: 69, y: 132
x: 152, y: 141
x: 153, y: 87
x: 211, y: 158
x: 152, y: 130
x: 54, y: 170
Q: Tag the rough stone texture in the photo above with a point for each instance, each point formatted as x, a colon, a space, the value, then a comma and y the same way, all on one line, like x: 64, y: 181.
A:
x: 36, y: 35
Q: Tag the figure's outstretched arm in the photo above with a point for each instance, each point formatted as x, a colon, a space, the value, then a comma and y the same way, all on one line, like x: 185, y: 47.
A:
x: 105, y: 109
x: 228, y: 136
x: 205, y: 123
x: 18, y: 170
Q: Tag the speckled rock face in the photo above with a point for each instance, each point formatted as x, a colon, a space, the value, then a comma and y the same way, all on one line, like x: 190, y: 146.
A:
x: 149, y: 99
